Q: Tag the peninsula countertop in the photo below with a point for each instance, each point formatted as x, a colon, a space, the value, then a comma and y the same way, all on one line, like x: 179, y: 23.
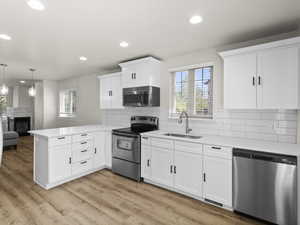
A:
x: 67, y: 131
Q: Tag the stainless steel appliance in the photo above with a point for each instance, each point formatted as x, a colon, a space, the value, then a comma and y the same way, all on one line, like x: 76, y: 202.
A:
x: 126, y: 146
x: 265, y: 186
x: 141, y: 96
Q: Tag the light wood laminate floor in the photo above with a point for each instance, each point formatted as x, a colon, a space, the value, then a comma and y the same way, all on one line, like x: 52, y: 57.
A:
x: 100, y: 198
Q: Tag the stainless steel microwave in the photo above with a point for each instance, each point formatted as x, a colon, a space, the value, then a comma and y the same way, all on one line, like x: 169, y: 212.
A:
x: 146, y: 96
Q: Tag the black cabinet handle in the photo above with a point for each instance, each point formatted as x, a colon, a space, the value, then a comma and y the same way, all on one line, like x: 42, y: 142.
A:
x: 148, y: 162
x: 70, y: 160
x: 146, y: 138
x: 253, y: 81
x: 171, y: 169
x: 83, y: 135
x: 83, y: 143
x: 60, y: 138
x: 84, y: 162
x: 175, y: 169
x: 95, y: 150
x: 204, y: 177
x: 217, y: 148
x: 84, y: 150
x: 259, y: 80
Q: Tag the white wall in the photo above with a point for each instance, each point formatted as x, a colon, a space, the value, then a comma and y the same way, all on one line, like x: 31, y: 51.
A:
x: 39, y: 106
x: 88, y: 111
x: 50, y: 104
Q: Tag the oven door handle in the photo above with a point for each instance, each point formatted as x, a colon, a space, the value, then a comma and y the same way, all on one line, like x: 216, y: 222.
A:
x: 125, y: 135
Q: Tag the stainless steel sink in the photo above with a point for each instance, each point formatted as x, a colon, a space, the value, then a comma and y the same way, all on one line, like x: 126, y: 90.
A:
x: 182, y: 136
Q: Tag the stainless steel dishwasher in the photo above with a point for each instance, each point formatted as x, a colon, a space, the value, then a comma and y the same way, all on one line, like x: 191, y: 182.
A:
x: 265, y: 186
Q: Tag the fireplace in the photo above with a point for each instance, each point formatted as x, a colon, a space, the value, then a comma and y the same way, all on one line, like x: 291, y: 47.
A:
x: 19, y: 124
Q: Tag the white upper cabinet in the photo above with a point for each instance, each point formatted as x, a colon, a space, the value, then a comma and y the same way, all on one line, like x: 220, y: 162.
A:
x: 111, y: 91
x: 265, y: 76
x: 278, y: 78
x: 239, y: 80
x: 141, y: 72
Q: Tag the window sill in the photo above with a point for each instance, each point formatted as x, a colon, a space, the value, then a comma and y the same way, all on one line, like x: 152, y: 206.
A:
x: 66, y: 116
x: 193, y: 118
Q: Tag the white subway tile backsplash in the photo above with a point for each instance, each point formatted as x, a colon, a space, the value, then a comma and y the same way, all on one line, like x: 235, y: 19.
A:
x: 269, y: 125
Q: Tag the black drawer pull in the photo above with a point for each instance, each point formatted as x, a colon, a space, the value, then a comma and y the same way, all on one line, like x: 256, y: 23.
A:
x: 83, y: 143
x: 84, y: 162
x: 60, y: 138
x: 83, y: 135
x: 217, y: 148
x: 84, y: 150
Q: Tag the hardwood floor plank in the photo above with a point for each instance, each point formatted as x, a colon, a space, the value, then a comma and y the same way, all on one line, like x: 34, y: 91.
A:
x: 101, y: 198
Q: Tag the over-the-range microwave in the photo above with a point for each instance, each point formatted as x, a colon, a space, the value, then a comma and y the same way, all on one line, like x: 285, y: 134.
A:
x: 146, y: 96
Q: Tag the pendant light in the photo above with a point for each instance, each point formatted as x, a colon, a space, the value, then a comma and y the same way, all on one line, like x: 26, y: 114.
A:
x: 3, y: 88
x: 31, y: 90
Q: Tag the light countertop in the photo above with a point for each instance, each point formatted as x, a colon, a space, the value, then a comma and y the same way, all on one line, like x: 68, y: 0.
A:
x: 255, y: 145
x: 67, y: 131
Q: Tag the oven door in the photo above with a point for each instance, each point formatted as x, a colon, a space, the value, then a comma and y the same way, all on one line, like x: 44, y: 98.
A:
x: 126, y: 147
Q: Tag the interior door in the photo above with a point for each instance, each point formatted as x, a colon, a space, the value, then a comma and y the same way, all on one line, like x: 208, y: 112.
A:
x: 105, y: 88
x: 240, y: 81
x: 278, y: 71
x: 99, y: 149
x: 188, y: 172
x: 217, y: 184
x: 59, y: 163
x: 146, y: 161
x: 161, y: 162
x: 116, y: 92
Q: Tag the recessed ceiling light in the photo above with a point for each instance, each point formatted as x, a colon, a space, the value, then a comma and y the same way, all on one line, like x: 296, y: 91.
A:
x: 36, y: 4
x: 22, y: 81
x: 5, y: 37
x: 124, y: 44
x: 196, y: 19
x: 82, y: 58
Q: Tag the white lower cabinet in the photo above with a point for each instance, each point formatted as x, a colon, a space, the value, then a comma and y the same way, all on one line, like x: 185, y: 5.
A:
x: 60, y: 163
x: 161, y: 166
x: 189, y: 168
x: 217, y: 184
x: 188, y: 176
x: 99, y: 149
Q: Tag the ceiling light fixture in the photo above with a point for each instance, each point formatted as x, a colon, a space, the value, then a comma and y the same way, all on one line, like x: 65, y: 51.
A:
x: 82, y: 58
x: 37, y: 4
x: 124, y: 44
x: 196, y: 19
x: 5, y: 37
x: 22, y: 81
x: 3, y: 88
x: 31, y: 90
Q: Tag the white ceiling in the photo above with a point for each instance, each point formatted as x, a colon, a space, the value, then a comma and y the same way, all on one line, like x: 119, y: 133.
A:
x: 52, y: 40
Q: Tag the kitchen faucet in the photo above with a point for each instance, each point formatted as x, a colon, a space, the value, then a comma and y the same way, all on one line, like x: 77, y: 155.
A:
x: 182, y: 114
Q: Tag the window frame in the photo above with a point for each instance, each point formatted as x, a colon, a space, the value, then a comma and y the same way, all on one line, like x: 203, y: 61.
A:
x: 65, y: 114
x: 191, y: 106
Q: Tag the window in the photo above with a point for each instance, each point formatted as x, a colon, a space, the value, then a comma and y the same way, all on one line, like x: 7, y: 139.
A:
x: 3, y: 103
x: 67, y: 103
x: 193, y: 92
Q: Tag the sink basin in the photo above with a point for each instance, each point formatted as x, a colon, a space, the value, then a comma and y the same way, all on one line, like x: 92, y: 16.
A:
x: 182, y: 136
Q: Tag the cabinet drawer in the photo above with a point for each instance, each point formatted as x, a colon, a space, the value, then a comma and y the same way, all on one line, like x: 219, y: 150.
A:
x: 82, y: 154
x: 188, y: 147
x: 85, y: 144
x: 162, y: 143
x: 62, y: 140
x: 146, y: 140
x: 81, y: 137
x: 81, y: 166
x: 218, y: 151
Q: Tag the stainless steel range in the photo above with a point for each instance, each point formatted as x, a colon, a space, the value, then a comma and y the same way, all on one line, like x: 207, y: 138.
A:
x: 126, y: 146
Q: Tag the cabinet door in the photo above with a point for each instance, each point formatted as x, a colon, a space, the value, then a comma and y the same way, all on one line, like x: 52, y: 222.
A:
x: 188, y: 172
x: 146, y: 161
x: 59, y: 163
x: 161, y: 162
x: 108, y: 149
x: 218, y: 180
x: 116, y: 92
x: 278, y: 72
x: 128, y: 77
x: 99, y: 149
x: 240, y: 81
x: 105, y: 88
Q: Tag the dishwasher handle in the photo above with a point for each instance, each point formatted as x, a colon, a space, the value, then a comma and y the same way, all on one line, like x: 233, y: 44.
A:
x: 270, y: 157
